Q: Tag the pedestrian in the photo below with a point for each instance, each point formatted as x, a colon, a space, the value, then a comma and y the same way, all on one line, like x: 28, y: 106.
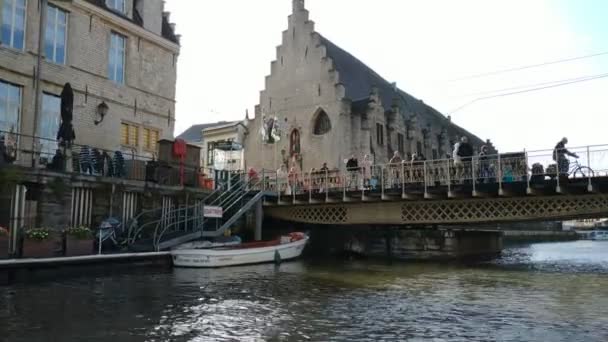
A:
x: 323, y: 175
x: 484, y: 165
x: 282, y: 178
x: 465, y: 153
x: 560, y: 153
x: 395, y: 166
x: 352, y: 167
x: 366, y: 170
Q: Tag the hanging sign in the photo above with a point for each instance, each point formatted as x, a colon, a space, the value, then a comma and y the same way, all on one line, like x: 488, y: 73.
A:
x: 213, y: 212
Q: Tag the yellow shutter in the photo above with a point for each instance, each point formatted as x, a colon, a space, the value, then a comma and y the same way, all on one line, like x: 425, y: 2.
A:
x: 124, y: 134
x: 146, y: 138
x: 133, y: 135
x: 154, y: 137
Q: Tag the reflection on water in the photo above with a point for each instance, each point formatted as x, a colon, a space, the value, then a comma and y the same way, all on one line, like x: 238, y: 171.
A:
x: 541, y: 292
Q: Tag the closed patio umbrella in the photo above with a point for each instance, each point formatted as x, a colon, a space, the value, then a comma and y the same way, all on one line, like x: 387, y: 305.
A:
x: 66, y: 134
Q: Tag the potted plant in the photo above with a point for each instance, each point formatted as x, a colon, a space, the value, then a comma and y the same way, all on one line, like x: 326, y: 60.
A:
x: 78, y: 241
x: 39, y: 243
x: 4, y: 236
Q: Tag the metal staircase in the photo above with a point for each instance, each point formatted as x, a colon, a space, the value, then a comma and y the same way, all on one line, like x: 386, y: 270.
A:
x: 187, y: 223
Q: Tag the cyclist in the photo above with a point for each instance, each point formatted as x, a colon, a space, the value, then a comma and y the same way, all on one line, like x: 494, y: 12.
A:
x: 560, y: 154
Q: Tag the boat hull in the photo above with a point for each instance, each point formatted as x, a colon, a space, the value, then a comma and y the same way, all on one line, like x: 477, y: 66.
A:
x: 212, y: 258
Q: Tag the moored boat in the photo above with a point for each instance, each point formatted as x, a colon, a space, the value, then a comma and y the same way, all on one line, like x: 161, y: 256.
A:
x: 286, y: 247
x: 599, y: 235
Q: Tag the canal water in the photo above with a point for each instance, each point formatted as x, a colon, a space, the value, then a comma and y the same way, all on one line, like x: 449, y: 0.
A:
x: 539, y: 292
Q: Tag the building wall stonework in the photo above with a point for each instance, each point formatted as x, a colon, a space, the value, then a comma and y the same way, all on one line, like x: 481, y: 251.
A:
x: 301, y: 83
x: 307, y: 77
x: 147, y: 97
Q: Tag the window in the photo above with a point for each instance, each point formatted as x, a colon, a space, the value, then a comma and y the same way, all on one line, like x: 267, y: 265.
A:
x: 116, y: 5
x: 151, y: 137
x: 400, y: 143
x: 10, y: 107
x: 322, y: 123
x: 379, y: 134
x: 116, y: 65
x: 13, y: 24
x: 56, y: 35
x: 210, y: 153
x: 129, y: 134
x: 419, y: 148
x: 48, y: 126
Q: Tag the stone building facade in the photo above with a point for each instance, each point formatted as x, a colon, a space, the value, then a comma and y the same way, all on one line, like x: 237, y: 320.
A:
x: 120, y: 58
x: 325, y: 105
x: 122, y: 53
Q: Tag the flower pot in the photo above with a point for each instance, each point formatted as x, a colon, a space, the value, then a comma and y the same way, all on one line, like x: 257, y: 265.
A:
x: 39, y: 249
x: 3, y: 247
x: 78, y: 247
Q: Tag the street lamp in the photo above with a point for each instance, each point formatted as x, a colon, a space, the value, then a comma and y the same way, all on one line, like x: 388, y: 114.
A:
x: 102, y: 110
x: 41, y: 38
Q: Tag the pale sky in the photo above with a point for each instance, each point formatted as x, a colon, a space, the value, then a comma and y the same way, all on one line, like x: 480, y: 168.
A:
x: 423, y: 45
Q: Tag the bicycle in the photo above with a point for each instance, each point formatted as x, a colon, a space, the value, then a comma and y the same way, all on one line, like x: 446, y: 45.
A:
x: 575, y: 170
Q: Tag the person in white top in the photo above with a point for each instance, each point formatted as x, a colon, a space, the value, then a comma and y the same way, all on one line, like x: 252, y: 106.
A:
x: 282, y: 178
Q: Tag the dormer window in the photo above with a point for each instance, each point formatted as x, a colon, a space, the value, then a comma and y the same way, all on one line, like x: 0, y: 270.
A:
x: 116, y: 5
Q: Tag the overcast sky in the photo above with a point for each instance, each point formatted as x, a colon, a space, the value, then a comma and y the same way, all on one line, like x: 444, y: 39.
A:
x: 423, y: 45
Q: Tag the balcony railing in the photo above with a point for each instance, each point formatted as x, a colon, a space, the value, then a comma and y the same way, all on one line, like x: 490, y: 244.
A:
x: 89, y: 160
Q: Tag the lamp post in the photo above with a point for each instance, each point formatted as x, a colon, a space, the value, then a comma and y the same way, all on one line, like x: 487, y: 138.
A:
x: 44, y: 4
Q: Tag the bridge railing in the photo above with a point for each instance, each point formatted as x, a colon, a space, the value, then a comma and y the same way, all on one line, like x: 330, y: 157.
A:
x: 523, y: 166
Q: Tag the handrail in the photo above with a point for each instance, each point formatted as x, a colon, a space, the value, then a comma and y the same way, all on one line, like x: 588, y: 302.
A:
x: 131, y: 238
x: 240, y: 193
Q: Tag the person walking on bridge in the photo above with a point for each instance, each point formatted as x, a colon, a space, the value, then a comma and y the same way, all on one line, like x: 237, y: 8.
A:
x: 560, y: 153
x: 395, y: 166
x: 352, y: 167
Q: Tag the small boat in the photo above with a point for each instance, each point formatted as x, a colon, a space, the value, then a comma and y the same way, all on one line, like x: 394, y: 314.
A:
x: 284, y: 248
x: 216, y: 243
x: 599, y: 235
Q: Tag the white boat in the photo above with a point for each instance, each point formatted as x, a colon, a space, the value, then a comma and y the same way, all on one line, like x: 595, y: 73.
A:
x: 599, y: 235
x: 220, y: 242
x: 285, y: 248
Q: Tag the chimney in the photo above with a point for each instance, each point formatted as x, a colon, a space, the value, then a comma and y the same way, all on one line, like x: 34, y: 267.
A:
x: 298, y: 5
x: 151, y: 12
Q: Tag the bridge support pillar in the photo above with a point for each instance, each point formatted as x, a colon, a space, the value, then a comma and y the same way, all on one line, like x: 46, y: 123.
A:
x: 259, y: 218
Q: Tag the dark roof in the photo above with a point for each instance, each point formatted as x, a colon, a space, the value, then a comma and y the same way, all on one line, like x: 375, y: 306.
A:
x: 195, y: 132
x: 167, y: 30
x: 358, y: 80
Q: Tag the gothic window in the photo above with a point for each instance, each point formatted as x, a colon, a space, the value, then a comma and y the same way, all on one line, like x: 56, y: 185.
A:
x: 400, y: 143
x: 322, y: 124
x: 379, y: 134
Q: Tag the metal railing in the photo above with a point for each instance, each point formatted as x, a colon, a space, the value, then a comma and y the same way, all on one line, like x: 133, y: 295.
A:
x: 123, y: 163
x: 530, y: 167
x: 191, y: 218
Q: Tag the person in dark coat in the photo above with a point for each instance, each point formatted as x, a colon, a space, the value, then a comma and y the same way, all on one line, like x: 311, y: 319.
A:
x: 560, y: 153
x: 352, y: 166
x: 465, y: 152
x: 58, y: 162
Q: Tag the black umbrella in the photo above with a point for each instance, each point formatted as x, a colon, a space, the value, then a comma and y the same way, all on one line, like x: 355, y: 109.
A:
x: 66, y: 133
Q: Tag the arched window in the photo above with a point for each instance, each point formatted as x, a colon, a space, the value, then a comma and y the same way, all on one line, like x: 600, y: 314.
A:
x: 322, y: 124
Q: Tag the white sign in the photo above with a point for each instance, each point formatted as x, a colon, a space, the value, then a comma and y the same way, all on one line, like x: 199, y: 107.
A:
x: 213, y: 212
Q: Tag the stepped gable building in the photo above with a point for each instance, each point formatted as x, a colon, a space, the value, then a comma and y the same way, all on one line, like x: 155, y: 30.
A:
x: 321, y: 104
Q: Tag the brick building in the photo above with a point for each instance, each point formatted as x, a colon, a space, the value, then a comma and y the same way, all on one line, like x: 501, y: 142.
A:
x: 324, y: 105
x: 120, y: 58
x: 121, y: 53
